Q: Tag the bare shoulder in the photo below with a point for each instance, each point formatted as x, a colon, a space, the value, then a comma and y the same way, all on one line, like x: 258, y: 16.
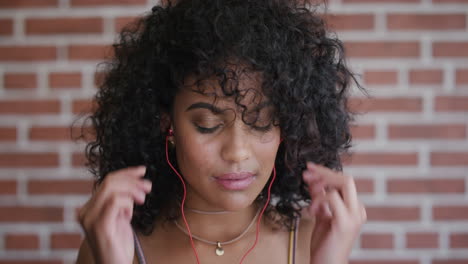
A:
x: 307, y: 221
x: 84, y: 253
x: 305, y: 229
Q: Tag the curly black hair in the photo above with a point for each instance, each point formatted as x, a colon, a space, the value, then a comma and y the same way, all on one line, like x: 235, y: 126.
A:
x: 304, y: 75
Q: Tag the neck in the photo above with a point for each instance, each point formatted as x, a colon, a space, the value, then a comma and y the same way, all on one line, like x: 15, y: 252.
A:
x: 216, y: 224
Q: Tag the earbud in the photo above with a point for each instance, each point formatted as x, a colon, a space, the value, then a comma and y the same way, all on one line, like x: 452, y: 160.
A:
x: 170, y: 132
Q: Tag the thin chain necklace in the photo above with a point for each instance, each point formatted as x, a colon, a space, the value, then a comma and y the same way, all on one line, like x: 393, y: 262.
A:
x: 219, y: 248
x: 206, y: 212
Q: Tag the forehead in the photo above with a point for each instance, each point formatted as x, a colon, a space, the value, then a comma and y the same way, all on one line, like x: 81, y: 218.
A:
x: 240, y: 85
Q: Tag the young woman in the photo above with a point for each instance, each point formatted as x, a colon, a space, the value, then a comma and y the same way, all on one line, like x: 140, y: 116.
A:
x: 219, y: 131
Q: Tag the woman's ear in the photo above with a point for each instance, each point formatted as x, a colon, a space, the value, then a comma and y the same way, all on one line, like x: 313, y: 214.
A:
x: 165, y: 123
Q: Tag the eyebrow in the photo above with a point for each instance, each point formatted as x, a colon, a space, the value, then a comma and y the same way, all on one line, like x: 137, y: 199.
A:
x: 208, y: 106
x: 215, y: 109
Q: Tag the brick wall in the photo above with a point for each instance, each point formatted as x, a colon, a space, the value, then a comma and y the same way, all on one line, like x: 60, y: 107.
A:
x: 411, y: 146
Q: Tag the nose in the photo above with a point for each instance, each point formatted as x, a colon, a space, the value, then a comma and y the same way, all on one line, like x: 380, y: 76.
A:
x: 236, y: 146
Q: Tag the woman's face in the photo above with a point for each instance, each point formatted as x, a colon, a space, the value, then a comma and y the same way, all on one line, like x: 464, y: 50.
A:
x: 225, y: 163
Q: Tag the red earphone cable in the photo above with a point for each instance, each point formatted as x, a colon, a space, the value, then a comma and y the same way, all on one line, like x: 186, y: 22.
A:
x: 260, y: 216
x: 185, y: 220
x: 183, y: 202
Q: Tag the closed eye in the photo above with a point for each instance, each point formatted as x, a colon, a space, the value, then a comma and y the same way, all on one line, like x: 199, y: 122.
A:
x: 206, y: 130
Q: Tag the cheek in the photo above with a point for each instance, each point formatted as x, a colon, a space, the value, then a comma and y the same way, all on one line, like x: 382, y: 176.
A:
x: 195, y: 158
x: 267, y: 155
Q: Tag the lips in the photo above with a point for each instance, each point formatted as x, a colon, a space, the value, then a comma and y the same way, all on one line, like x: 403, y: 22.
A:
x: 235, y: 181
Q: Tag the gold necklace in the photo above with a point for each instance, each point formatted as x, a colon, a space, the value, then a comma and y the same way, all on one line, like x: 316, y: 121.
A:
x: 219, y: 250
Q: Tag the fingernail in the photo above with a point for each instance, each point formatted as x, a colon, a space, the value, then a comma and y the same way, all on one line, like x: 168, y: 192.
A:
x: 309, y: 176
x: 313, y: 208
x: 310, y: 165
x: 148, y: 184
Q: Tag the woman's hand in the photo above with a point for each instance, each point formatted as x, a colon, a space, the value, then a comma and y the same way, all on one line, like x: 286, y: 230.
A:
x: 338, y: 212
x: 106, y: 216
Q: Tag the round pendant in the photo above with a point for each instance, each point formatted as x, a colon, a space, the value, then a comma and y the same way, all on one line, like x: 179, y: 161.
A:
x: 219, y: 250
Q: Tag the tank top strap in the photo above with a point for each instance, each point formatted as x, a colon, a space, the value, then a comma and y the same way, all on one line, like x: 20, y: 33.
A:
x: 293, y: 241
x: 138, y: 249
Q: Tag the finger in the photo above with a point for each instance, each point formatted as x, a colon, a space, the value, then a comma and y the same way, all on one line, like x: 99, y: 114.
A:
x: 129, y: 172
x: 344, y: 183
x: 363, y: 213
x: 135, y: 171
x: 337, y: 206
x: 318, y: 202
x: 96, y: 212
x: 86, y: 215
x: 121, y: 184
x: 116, y: 206
x: 314, y: 186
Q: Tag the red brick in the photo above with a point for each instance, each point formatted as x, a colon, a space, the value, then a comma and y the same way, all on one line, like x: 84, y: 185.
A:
x: 422, y: 240
x: 83, y: 133
x: 30, y: 214
x: 413, y: 186
x: 399, y: 2
x: 99, y: 78
x: 363, y: 132
x: 450, y: 49
x: 78, y: 160
x: 65, y: 240
x: 350, y: 22
x: 411, y: 21
x: 364, y: 185
x: 459, y: 240
x: 393, y: 104
x: 63, y: 25
x: 62, y: 187
x: 423, y: 131
x: 6, y: 26
x: 381, y: 77
x: 7, y: 134
x: 376, y: 240
x: 83, y: 106
x: 422, y: 76
x: 89, y: 52
x: 451, y: 103
x: 20, y: 80
x: 393, y: 213
x: 379, y: 49
x: 29, y: 160
x: 107, y: 2
x: 22, y: 241
x: 28, y: 3
x: 27, y: 53
x: 121, y: 22
x: 446, y: 213
x: 461, y: 76
x: 65, y: 80
x: 8, y: 187
x: 30, y: 107
x: 382, y: 159
x: 52, y: 133
x: 449, y: 158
